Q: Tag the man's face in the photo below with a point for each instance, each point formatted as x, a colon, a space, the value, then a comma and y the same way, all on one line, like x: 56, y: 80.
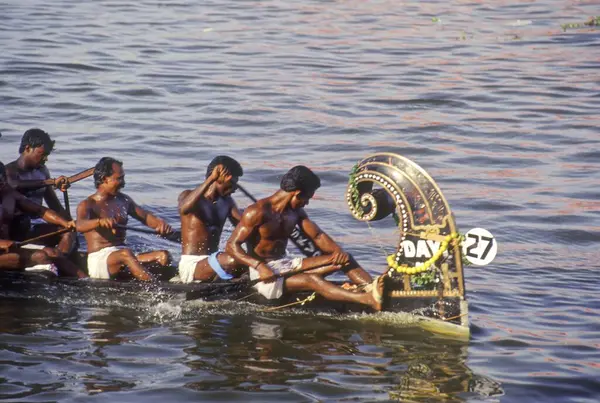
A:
x: 228, y: 186
x: 37, y: 156
x: 301, y: 199
x: 116, y: 181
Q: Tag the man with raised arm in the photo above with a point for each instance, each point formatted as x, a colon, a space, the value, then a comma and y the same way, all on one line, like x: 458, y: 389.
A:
x: 203, y: 213
x: 102, y: 218
x: 24, y: 174
x: 13, y: 257
x: 265, y: 227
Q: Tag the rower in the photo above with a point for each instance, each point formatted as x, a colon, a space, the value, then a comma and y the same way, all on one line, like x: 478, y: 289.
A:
x: 13, y: 257
x: 203, y: 213
x: 24, y: 174
x: 102, y: 218
x: 265, y: 228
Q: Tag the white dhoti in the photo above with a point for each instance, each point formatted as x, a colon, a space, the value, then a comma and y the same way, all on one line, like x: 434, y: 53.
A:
x: 98, y: 262
x: 187, y: 267
x: 274, y: 289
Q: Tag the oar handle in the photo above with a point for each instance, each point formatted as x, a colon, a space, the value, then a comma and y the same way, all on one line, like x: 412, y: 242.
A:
x: 49, y: 235
x: 50, y: 182
x: 248, y: 194
x: 287, y: 274
x: 174, y: 236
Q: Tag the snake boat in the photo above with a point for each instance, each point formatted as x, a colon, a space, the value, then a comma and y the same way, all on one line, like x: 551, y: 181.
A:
x: 425, y: 277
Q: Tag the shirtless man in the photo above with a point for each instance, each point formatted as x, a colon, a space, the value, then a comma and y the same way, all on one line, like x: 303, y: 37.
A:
x: 102, y: 217
x: 203, y: 212
x: 265, y: 227
x: 13, y: 257
x: 23, y: 173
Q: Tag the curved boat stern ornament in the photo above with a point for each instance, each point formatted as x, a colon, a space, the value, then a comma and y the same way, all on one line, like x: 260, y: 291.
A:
x: 427, y: 266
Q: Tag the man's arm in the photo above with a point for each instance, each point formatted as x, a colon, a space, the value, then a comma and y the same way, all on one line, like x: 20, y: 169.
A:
x: 52, y: 201
x: 85, y: 224
x: 147, y: 218
x: 46, y: 214
x: 249, y: 222
x: 322, y: 240
x: 188, y: 199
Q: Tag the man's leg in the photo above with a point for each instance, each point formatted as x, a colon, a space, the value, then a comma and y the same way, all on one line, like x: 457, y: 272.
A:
x: 118, y: 259
x: 204, y: 271
x: 323, y: 268
x: 23, y: 258
x: 357, y: 274
x: 312, y: 282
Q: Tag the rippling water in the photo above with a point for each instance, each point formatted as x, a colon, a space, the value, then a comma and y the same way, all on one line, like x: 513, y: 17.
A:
x: 494, y: 99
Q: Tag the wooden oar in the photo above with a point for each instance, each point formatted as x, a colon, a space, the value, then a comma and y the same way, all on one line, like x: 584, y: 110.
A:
x: 219, y: 288
x: 298, y: 237
x: 290, y: 273
x: 39, y: 238
x: 174, y: 236
x: 49, y: 182
x: 67, y: 206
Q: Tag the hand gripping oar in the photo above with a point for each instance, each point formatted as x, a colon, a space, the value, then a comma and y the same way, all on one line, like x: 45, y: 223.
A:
x: 49, y: 182
x: 298, y: 237
x: 39, y: 238
x: 174, y: 236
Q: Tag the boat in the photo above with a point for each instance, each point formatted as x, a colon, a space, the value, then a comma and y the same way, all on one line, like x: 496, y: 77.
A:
x: 425, y: 278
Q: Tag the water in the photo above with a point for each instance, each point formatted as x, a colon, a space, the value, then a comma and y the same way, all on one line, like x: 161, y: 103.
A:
x: 493, y: 99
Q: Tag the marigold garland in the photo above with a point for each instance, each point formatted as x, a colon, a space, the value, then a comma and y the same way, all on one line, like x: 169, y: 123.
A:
x: 391, y: 259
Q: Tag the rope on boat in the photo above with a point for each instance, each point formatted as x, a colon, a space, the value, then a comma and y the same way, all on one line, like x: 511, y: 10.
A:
x: 454, y: 317
x: 298, y: 302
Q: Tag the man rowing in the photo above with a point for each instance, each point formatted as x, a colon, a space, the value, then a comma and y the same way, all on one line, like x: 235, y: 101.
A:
x: 13, y: 257
x: 102, y: 218
x: 265, y: 227
x: 203, y: 213
x: 26, y: 175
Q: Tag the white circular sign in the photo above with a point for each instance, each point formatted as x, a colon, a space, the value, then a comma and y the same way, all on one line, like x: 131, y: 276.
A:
x: 479, y: 247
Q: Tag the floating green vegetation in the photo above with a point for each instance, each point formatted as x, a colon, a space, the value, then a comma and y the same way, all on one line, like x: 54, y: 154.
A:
x: 592, y: 22
x: 436, y: 20
x: 425, y: 279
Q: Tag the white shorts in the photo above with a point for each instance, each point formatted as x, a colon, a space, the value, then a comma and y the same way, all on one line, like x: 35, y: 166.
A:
x: 97, y: 262
x: 187, y: 267
x: 274, y: 290
x: 40, y: 267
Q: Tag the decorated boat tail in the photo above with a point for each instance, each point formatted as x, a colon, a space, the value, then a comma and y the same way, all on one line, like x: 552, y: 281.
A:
x: 426, y: 276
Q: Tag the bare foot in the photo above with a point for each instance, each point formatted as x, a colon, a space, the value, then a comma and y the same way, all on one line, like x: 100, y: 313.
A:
x: 377, y: 293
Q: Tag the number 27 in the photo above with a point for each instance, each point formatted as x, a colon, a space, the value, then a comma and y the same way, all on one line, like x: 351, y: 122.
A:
x: 475, y: 245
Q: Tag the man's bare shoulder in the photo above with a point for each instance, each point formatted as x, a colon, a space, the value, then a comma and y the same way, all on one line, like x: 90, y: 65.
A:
x: 183, y: 195
x: 12, y: 169
x: 255, y: 212
x: 122, y: 197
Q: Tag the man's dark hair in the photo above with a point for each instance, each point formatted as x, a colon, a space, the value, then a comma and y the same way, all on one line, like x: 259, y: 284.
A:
x: 104, y: 169
x: 229, y: 163
x: 300, y: 178
x: 36, y: 138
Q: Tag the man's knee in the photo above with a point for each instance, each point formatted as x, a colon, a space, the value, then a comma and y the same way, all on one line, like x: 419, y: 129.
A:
x: 40, y: 257
x: 163, y: 257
